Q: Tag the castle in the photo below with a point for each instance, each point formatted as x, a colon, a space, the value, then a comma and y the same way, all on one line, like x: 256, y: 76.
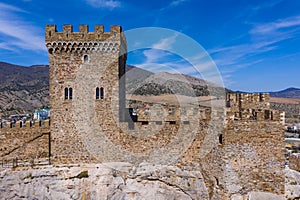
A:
x: 238, y: 148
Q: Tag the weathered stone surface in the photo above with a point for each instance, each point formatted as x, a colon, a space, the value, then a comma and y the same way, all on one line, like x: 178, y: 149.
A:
x: 294, y: 162
x: 264, y: 196
x: 103, y: 181
x: 292, y: 184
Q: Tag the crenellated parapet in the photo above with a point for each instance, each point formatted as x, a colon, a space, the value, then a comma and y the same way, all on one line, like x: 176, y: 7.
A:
x: 42, y: 124
x: 85, y: 41
x: 240, y: 101
x: 243, y: 106
x: 168, y: 113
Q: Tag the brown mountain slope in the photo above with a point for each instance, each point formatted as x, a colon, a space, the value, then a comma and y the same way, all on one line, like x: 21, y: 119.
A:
x: 23, y: 89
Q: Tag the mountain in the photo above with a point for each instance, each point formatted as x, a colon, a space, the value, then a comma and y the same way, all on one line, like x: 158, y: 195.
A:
x: 23, y: 89
x: 148, y: 83
x: 287, y: 93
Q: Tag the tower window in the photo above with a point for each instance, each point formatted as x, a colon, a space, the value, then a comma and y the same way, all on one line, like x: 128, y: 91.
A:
x: 221, y: 139
x: 97, y: 93
x: 101, y: 93
x: 85, y: 58
x: 68, y: 93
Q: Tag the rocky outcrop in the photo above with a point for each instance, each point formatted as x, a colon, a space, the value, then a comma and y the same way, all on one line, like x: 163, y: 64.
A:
x: 102, y: 181
x: 116, y: 181
x: 292, y: 184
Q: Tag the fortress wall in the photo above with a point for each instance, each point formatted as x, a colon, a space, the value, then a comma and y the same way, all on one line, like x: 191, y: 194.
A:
x: 242, y: 101
x: 254, y: 156
x: 294, y: 162
x: 25, y: 143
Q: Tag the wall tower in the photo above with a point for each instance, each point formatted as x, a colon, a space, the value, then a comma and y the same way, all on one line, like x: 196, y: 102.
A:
x: 87, y: 83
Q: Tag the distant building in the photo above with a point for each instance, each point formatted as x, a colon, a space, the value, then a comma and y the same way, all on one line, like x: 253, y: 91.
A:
x: 41, y: 114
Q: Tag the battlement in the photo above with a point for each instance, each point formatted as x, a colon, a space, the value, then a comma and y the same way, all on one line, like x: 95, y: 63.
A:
x: 254, y: 114
x: 69, y: 41
x: 83, y: 35
x: 26, y: 125
x: 241, y: 101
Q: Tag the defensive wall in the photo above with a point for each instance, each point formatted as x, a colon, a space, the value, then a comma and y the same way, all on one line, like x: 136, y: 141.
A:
x: 238, y: 148
x: 294, y: 161
x: 25, y: 141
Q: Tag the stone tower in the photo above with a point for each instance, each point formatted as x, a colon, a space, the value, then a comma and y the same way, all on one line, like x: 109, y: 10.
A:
x: 87, y: 84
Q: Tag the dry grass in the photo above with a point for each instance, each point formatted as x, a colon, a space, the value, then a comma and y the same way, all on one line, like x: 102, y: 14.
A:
x: 284, y: 100
x: 177, y: 100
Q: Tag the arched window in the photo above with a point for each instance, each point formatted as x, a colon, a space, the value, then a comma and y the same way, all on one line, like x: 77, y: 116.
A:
x: 66, y: 93
x: 85, y: 58
x: 101, y: 93
x: 97, y: 93
x: 70, y: 93
x: 221, y: 139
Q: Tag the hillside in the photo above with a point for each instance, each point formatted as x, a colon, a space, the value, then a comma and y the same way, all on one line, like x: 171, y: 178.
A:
x: 289, y: 105
x: 287, y: 93
x: 167, y: 83
x: 23, y: 89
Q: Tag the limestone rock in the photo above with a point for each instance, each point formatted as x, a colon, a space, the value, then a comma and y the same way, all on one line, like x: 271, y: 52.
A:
x: 112, y: 181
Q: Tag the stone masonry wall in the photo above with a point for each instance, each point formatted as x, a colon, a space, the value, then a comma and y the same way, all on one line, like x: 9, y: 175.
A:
x: 294, y: 162
x: 25, y: 143
x: 83, y: 61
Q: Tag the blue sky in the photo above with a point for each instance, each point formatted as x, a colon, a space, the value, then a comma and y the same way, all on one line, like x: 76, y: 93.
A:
x: 255, y: 44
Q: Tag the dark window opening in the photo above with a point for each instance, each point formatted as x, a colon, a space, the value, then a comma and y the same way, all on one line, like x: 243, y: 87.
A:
x: 145, y: 122
x: 271, y: 115
x: 186, y: 122
x: 217, y: 181
x: 50, y: 33
x: 97, y: 93
x: 267, y: 114
x: 66, y: 93
x: 67, y: 34
x: 221, y: 139
x: 172, y: 122
x: 101, y: 93
x: 70, y: 93
x: 85, y: 58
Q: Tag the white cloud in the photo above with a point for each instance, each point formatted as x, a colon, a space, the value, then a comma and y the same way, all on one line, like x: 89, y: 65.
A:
x: 264, y: 37
x: 274, y: 27
x: 159, y: 50
x: 173, y: 4
x: 104, y: 3
x: 177, y: 2
x: 165, y: 43
x: 17, y: 34
x: 6, y: 7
